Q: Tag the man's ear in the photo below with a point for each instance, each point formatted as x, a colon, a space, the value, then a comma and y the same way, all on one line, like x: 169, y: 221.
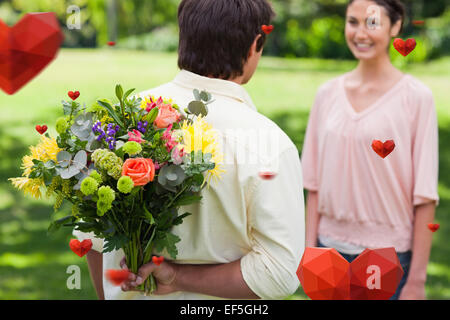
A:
x: 254, y: 46
x: 395, y: 29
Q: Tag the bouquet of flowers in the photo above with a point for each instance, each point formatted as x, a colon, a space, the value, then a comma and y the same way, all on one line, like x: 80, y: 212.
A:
x: 126, y: 169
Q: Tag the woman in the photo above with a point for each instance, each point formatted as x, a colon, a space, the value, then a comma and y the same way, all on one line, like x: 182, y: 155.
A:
x: 356, y: 198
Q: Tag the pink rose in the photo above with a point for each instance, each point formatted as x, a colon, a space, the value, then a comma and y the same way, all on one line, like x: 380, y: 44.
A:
x: 166, y: 116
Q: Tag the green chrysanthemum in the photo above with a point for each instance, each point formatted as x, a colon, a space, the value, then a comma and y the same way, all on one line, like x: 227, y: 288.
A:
x: 97, y: 176
x: 89, y: 186
x: 125, y: 184
x: 61, y: 125
x: 105, y: 193
x: 132, y: 148
x: 102, y: 207
x: 108, y: 161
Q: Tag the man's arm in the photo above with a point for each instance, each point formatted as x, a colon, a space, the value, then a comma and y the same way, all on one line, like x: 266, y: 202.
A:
x: 312, y: 218
x: 220, y: 280
x: 422, y: 240
x: 95, y: 264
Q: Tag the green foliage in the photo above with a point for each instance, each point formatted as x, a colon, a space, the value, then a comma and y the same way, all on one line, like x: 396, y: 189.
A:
x: 168, y: 241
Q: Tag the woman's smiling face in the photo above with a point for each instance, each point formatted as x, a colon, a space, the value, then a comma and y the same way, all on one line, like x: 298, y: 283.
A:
x: 368, y: 29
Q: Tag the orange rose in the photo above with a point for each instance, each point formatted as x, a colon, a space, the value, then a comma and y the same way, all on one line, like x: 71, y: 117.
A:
x: 166, y: 116
x: 140, y: 170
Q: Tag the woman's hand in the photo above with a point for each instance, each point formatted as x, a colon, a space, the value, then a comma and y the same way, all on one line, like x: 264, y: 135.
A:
x: 413, y: 291
x: 165, y: 275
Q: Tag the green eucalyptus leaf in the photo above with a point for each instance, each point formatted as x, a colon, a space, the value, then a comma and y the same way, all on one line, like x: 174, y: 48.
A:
x: 198, y: 108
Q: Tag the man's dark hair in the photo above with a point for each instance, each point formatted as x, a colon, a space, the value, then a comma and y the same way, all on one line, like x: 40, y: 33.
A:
x: 216, y: 35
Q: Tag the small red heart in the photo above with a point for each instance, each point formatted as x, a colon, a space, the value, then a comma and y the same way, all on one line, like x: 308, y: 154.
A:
x: 157, y: 260
x: 404, y: 47
x: 433, y: 226
x: 266, y: 175
x: 41, y: 129
x: 383, y: 149
x: 111, y: 43
x: 418, y: 22
x: 80, y: 248
x: 116, y: 277
x: 267, y: 29
x: 73, y: 95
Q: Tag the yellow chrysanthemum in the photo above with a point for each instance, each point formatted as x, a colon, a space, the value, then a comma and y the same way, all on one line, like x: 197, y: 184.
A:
x: 28, y: 186
x: 46, y: 150
x: 201, y: 136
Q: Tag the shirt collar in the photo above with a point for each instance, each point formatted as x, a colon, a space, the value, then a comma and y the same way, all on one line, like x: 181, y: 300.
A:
x: 221, y: 87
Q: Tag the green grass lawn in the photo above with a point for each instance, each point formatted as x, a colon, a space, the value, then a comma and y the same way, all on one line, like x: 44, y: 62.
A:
x: 33, y: 265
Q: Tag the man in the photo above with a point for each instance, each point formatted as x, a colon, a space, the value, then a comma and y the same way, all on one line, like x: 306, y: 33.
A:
x: 246, y: 238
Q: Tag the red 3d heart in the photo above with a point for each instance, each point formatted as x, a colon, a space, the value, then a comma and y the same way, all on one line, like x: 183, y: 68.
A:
x: 117, y: 277
x: 73, y: 95
x: 404, y: 47
x: 383, y: 149
x: 41, y: 129
x: 324, y: 274
x: 111, y: 43
x: 418, y: 22
x: 267, y: 29
x: 433, y: 226
x: 157, y: 260
x: 80, y: 248
x: 375, y: 274
x: 27, y: 48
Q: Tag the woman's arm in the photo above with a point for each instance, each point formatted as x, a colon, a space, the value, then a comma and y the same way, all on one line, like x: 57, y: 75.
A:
x: 95, y: 264
x: 422, y: 240
x: 312, y: 218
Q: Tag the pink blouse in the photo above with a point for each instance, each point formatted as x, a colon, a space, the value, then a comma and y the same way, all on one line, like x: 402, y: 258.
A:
x: 365, y: 199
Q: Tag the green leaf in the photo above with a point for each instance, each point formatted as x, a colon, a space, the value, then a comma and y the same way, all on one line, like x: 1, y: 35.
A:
x: 149, y: 216
x: 186, y: 200
x: 178, y: 220
x: 55, y: 225
x: 198, y: 108
x: 168, y: 241
x: 125, y: 96
x: 152, y: 115
x: 197, y: 94
x: 111, y: 112
x: 116, y: 242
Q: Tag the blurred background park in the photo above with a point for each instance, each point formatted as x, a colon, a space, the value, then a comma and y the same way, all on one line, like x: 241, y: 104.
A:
x: 306, y: 49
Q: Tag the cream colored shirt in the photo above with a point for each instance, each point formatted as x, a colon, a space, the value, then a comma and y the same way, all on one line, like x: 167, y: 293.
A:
x: 242, y: 216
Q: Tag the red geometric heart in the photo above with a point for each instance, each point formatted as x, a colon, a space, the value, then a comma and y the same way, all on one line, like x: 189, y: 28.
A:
x: 157, y: 260
x: 27, y: 48
x: 80, y: 248
x: 375, y: 274
x: 324, y: 274
x: 404, y: 47
x: 433, y: 226
x: 383, y: 149
x: 116, y: 277
x: 73, y: 95
x: 42, y: 129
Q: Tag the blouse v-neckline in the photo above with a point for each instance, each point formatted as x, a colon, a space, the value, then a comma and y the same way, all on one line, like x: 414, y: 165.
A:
x: 358, y: 115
